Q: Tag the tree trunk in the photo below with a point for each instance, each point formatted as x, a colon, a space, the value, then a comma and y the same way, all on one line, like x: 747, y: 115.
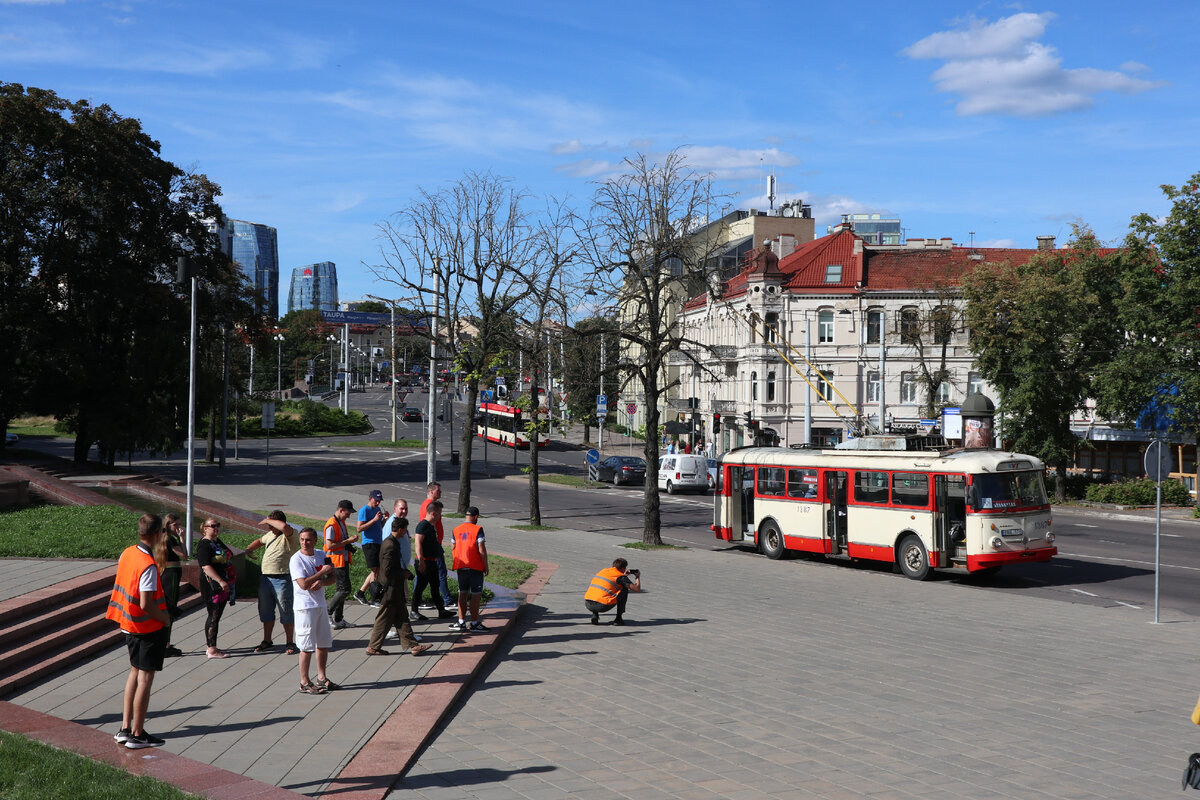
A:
x: 1060, y: 482
x: 210, y: 440
x: 468, y: 437
x: 535, y: 504
x: 652, y: 531
x: 83, y: 439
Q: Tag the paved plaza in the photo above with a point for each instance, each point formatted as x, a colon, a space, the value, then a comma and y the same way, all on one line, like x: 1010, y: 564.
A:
x: 737, y: 677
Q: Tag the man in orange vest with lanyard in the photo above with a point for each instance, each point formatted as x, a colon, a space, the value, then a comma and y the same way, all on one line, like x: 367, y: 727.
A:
x: 610, y: 588
x: 139, y: 605
x: 470, y: 560
x: 337, y: 544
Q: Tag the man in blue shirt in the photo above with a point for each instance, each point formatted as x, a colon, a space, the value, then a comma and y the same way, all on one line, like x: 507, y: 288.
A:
x: 370, y: 529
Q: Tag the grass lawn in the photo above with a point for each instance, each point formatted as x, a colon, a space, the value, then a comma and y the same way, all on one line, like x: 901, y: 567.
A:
x: 570, y: 480
x: 31, y: 770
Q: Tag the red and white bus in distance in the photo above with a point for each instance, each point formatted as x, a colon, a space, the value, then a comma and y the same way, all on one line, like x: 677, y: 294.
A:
x: 502, y: 424
x: 960, y: 510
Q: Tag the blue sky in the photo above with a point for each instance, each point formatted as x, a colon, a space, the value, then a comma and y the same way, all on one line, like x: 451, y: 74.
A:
x: 322, y: 119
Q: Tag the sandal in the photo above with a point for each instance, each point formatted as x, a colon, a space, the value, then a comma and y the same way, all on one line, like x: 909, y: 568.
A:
x: 292, y: 649
x: 326, y: 684
x: 311, y: 688
x: 264, y: 646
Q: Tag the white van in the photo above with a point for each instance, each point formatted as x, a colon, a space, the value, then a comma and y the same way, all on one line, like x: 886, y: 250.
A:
x: 683, y: 473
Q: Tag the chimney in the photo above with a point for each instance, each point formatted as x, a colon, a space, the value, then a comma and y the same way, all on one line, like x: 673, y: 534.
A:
x: 787, y: 245
x: 1045, y: 242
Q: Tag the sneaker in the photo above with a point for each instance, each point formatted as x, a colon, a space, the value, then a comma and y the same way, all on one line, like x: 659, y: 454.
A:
x: 361, y: 598
x: 417, y: 616
x: 147, y: 739
x: 595, y: 618
x: 617, y: 621
x: 478, y: 626
x: 446, y: 613
x: 459, y: 625
x: 426, y: 606
x: 121, y: 736
x: 374, y: 604
x: 340, y: 625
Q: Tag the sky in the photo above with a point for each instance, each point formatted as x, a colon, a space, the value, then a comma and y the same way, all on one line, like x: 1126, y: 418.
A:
x: 984, y: 122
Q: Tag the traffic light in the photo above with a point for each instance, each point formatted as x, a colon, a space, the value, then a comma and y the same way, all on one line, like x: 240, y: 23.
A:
x: 716, y: 428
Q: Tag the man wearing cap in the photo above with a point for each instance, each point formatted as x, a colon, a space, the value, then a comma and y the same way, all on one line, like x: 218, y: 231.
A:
x: 336, y: 542
x: 370, y: 528
x: 470, y: 560
x: 442, y: 586
x: 609, y: 590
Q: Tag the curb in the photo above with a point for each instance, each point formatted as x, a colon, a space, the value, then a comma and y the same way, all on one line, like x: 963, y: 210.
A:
x: 394, y: 747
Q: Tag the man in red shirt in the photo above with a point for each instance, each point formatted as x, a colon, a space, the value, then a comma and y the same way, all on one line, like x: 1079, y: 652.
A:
x: 435, y: 493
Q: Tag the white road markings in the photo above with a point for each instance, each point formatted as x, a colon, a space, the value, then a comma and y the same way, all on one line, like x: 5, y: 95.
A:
x: 1081, y: 591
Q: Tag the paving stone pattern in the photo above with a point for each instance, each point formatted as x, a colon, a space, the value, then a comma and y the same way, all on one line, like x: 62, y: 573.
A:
x: 743, y: 678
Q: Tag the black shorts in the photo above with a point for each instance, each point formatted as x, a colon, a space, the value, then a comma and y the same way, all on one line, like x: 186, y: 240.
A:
x: 470, y: 581
x: 147, y: 650
x: 371, y: 553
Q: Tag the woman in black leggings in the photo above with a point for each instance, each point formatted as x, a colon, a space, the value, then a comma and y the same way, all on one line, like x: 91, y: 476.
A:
x: 216, y: 563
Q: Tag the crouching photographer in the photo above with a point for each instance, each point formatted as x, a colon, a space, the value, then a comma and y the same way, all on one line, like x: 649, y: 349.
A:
x: 610, y: 589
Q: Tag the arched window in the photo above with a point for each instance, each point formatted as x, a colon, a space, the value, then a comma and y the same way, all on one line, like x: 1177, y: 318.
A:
x: 825, y: 326
x: 772, y: 325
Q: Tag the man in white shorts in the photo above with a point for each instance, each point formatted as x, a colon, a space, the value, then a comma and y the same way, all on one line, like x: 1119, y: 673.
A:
x: 312, y: 572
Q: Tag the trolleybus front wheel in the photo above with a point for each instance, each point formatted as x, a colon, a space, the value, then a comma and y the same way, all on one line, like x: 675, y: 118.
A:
x: 770, y: 541
x: 914, y: 561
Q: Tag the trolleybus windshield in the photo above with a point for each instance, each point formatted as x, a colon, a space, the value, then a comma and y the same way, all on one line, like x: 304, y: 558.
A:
x: 1009, y: 490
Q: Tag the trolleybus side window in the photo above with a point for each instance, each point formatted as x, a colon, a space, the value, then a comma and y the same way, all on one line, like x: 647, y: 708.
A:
x: 802, y: 484
x: 910, y: 489
x: 770, y: 481
x: 871, y: 487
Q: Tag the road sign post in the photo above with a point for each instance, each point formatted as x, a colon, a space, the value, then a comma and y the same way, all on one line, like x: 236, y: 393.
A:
x: 1158, y: 467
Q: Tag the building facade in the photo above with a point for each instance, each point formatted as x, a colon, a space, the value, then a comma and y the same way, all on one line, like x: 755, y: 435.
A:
x: 255, y: 248
x: 314, y: 287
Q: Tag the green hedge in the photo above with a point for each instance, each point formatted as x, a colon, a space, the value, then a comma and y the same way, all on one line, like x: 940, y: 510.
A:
x: 312, y: 418
x: 1140, y: 492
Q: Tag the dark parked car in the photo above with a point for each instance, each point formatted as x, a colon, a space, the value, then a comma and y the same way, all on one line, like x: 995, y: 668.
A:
x: 621, y: 469
x: 412, y: 414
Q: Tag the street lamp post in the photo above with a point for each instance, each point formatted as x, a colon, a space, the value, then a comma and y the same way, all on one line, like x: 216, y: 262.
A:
x: 392, y: 362
x: 331, y: 339
x: 278, y: 365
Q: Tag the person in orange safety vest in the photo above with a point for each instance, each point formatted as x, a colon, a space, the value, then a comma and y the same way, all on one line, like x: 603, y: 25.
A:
x: 610, y: 588
x: 470, y: 559
x: 139, y: 605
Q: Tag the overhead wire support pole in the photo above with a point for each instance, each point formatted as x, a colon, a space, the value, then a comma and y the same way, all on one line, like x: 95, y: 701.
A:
x: 431, y: 443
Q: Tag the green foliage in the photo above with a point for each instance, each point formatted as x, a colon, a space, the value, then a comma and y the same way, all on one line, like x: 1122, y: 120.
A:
x: 1160, y: 281
x: 31, y: 770
x: 1139, y: 492
x: 646, y: 546
x: 1039, y: 331
x: 307, y: 418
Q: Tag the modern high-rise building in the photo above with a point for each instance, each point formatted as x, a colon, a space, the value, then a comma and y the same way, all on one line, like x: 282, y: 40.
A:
x: 314, y: 287
x: 255, y: 248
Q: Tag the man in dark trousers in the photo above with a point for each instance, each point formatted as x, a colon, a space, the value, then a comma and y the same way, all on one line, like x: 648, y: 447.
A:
x: 392, y: 609
x: 426, y: 550
x: 139, y: 605
x: 609, y: 590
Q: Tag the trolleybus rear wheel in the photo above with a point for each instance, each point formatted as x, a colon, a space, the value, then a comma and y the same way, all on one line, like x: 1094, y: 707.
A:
x: 914, y: 561
x: 770, y: 541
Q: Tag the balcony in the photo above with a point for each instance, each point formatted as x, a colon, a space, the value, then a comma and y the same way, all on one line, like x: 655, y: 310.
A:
x: 761, y: 352
x: 725, y: 406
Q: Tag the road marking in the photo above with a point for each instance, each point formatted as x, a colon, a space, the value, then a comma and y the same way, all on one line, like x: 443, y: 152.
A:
x: 1125, y: 561
x: 1127, y: 605
x: 1084, y: 525
x: 1081, y: 591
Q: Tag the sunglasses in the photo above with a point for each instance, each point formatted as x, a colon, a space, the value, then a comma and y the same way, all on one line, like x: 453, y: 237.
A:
x: 212, y: 525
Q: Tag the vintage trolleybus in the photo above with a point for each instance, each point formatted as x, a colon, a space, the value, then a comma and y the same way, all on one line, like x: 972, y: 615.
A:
x: 503, y: 424
x: 963, y: 510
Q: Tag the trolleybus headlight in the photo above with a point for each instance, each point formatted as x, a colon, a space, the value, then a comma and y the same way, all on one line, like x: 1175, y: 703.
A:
x: 996, y: 542
x: 1049, y: 537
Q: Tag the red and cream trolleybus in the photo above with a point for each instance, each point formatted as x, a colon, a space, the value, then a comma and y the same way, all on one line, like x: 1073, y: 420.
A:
x: 963, y: 510
x: 503, y: 424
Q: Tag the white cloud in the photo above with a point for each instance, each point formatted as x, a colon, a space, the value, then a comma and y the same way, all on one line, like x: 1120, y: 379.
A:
x: 1006, y: 243
x: 567, y: 148
x: 1000, y: 68
x: 589, y: 168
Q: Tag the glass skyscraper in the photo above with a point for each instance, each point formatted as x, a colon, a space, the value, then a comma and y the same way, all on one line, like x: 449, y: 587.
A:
x: 256, y: 250
x: 314, y: 287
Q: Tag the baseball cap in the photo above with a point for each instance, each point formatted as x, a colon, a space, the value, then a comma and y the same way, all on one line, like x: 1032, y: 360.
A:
x: 376, y: 495
x: 346, y: 504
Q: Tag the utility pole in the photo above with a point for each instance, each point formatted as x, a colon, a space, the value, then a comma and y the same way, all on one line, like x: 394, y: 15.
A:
x: 430, y: 415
